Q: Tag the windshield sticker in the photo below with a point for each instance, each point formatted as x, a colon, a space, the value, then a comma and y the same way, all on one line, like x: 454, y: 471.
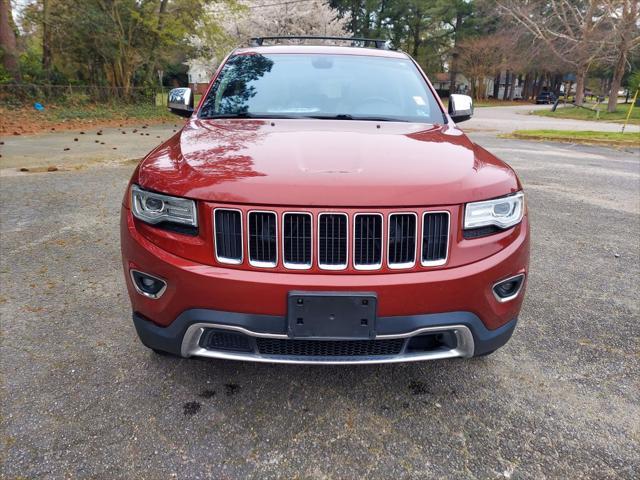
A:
x: 419, y: 100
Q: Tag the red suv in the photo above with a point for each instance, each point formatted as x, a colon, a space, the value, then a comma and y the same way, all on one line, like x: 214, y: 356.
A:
x: 320, y: 205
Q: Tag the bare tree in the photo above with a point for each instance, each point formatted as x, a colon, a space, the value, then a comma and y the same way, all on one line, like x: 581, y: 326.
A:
x: 8, y: 41
x: 627, y: 37
x: 228, y: 26
x: 573, y: 31
x: 481, y: 57
x: 266, y: 17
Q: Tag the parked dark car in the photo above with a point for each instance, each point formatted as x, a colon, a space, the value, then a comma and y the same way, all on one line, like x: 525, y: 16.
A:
x: 546, y: 97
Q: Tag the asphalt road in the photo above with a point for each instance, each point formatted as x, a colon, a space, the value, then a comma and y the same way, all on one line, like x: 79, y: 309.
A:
x: 82, y: 398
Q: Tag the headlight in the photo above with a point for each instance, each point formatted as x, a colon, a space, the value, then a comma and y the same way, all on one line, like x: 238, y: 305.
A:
x: 154, y: 208
x: 503, y: 212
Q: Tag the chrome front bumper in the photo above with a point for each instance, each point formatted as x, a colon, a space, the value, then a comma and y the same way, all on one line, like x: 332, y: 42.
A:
x: 454, y: 334
x: 191, y: 346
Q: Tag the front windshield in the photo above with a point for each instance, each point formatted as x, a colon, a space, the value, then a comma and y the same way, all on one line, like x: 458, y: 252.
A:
x: 321, y: 86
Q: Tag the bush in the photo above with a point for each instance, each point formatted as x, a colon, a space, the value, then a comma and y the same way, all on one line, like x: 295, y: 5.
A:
x: 5, y: 76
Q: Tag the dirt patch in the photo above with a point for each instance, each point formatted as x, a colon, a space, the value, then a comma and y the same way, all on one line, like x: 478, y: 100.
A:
x: 585, y: 141
x: 28, y: 121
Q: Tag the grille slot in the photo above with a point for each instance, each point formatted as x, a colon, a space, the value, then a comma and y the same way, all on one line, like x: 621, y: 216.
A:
x: 435, y: 238
x: 263, y: 245
x: 329, y: 348
x: 332, y: 241
x: 296, y: 240
x: 402, y: 240
x: 228, y: 229
x: 367, y: 240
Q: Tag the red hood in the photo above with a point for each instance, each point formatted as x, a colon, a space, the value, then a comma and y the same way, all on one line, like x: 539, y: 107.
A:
x: 325, y: 163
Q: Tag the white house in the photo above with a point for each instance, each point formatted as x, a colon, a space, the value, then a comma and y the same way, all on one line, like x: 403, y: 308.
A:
x: 200, y: 72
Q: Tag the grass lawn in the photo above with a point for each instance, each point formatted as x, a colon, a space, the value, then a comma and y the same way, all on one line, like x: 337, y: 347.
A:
x: 577, y: 113
x: 600, y: 138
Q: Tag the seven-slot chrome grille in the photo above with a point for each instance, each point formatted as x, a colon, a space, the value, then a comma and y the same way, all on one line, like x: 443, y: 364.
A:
x: 332, y: 240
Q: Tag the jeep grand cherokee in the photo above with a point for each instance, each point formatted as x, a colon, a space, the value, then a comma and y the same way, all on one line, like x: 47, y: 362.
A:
x: 320, y: 205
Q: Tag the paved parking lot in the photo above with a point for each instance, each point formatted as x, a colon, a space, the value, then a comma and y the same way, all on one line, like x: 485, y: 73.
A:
x: 83, y: 398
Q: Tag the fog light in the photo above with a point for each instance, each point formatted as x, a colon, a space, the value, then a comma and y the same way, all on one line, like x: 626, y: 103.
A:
x: 509, y: 288
x: 148, y: 285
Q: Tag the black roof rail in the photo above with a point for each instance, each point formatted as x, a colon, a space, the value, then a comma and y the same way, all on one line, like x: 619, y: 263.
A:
x: 377, y: 42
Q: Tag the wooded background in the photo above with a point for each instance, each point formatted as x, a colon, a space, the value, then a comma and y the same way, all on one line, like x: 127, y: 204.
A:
x: 124, y: 44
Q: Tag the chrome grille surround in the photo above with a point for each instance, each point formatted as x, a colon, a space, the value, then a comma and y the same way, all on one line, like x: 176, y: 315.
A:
x: 217, y: 231
x: 368, y: 266
x: 295, y: 265
x: 402, y: 265
x: 441, y: 261
x: 333, y: 266
x: 262, y: 263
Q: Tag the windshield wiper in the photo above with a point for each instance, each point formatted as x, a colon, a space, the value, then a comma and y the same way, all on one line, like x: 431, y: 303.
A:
x: 339, y: 116
x: 347, y: 116
x: 247, y: 115
x: 227, y: 115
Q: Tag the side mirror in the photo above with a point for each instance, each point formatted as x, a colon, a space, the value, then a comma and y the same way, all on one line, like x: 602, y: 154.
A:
x: 181, y: 101
x: 460, y: 107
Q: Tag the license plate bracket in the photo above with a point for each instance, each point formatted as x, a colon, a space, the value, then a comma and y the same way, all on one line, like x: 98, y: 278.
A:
x: 331, y: 315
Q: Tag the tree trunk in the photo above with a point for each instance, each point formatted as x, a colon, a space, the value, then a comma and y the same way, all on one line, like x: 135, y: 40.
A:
x: 47, y: 58
x: 8, y: 42
x: 379, y: 18
x: 453, y: 71
x: 416, y: 35
x: 355, y: 9
x: 557, y: 81
x: 629, y: 16
x: 525, y: 86
x: 507, y: 79
x: 153, y: 56
x: 496, y: 86
x: 536, y: 85
x: 366, y: 28
x: 580, y: 77
x: 618, y: 72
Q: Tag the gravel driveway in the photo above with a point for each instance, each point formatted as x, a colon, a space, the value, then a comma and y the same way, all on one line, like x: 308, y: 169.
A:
x: 82, y: 398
